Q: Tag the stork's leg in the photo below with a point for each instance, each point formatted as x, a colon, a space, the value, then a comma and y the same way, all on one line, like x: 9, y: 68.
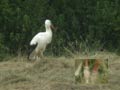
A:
x: 31, y: 56
x: 37, y: 58
x: 34, y: 55
x: 41, y: 54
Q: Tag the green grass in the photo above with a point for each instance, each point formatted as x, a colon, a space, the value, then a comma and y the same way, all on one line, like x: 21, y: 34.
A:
x: 53, y: 73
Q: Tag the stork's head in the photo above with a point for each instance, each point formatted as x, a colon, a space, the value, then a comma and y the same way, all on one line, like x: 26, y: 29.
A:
x: 48, y: 24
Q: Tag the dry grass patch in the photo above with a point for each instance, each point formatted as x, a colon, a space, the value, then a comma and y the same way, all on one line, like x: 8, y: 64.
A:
x: 53, y: 74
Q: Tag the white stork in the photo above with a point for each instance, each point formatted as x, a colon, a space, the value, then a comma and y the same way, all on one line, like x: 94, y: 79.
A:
x: 41, y: 40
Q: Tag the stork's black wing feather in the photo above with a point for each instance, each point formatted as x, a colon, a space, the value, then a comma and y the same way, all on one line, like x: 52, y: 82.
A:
x: 31, y: 48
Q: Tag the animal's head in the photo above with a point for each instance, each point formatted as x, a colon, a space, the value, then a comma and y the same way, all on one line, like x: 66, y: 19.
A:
x: 48, y: 24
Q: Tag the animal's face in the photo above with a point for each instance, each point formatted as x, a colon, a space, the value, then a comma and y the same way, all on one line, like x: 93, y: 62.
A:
x: 48, y: 23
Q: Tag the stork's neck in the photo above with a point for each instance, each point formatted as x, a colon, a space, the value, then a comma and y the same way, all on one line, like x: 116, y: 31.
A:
x: 48, y: 29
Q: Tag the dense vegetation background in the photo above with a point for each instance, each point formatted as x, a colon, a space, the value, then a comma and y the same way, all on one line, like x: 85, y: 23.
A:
x: 81, y: 24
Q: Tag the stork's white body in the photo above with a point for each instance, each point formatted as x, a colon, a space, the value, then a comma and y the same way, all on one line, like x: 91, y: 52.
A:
x: 42, y: 39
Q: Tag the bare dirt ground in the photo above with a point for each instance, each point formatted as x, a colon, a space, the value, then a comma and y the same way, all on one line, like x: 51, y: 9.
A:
x: 53, y: 74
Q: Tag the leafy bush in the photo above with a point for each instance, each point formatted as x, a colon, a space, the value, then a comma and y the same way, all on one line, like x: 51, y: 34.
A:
x: 96, y: 21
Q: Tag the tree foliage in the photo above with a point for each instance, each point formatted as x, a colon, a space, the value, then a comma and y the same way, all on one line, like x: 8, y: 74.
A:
x: 78, y: 21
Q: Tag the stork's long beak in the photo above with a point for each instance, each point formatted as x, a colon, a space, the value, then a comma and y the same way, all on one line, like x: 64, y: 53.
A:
x: 52, y: 27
